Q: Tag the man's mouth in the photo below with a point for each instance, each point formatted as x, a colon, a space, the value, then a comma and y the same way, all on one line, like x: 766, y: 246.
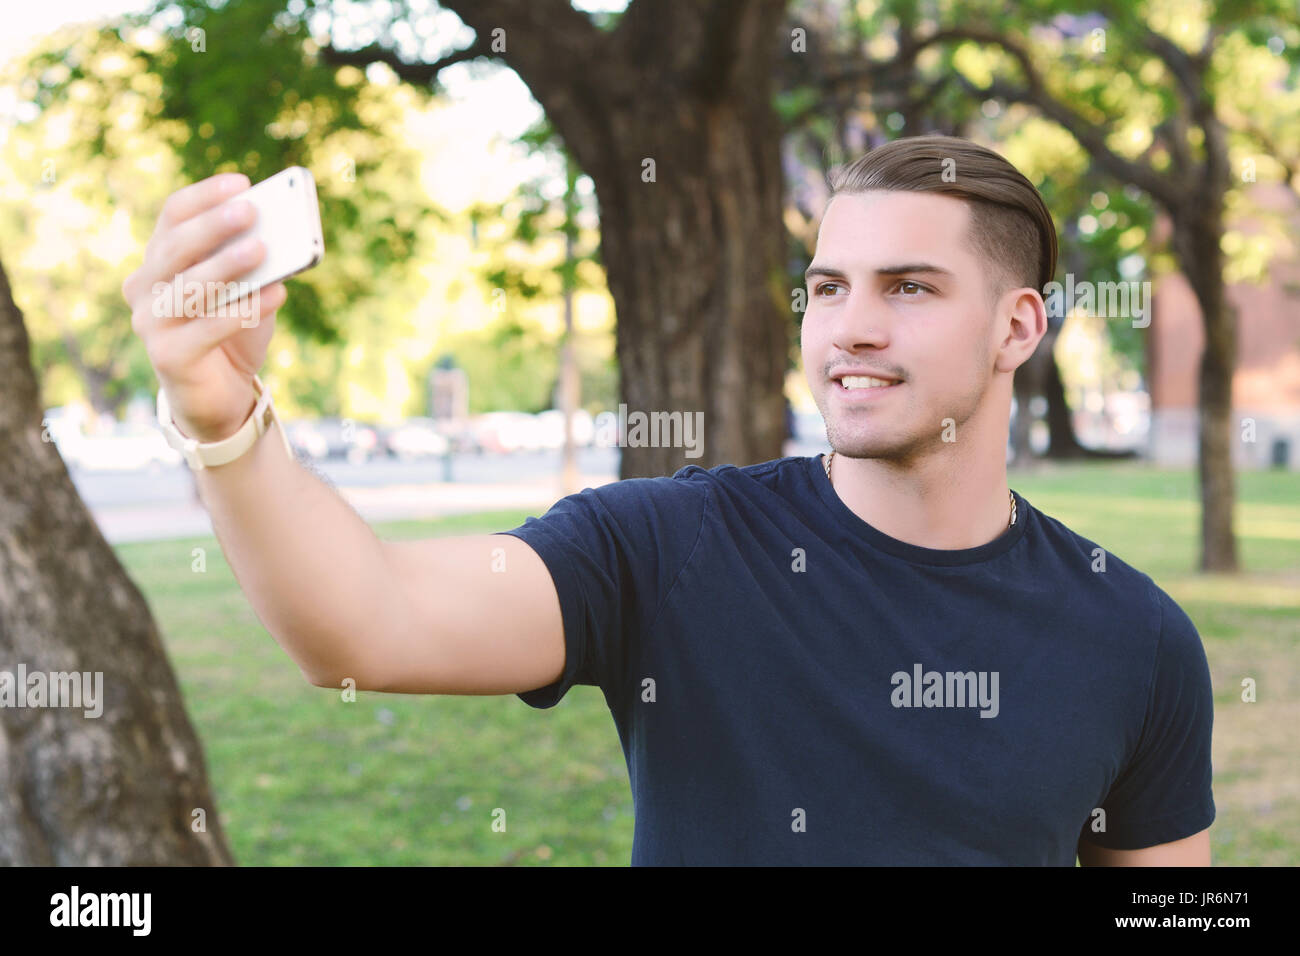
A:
x: 851, y: 383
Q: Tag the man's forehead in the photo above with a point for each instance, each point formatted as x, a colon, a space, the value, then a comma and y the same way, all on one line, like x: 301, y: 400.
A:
x: 893, y: 233
x: 905, y: 223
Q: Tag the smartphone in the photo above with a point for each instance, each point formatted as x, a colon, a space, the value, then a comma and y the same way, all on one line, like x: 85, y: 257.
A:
x: 288, y: 223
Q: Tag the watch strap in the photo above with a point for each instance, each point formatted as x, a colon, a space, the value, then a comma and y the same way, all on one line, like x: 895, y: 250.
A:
x: 199, y: 455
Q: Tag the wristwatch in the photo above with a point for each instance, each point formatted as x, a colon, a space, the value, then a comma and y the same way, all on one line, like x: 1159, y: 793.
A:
x: 199, y: 455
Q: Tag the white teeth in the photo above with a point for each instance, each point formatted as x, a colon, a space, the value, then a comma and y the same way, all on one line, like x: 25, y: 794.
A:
x: 863, y: 381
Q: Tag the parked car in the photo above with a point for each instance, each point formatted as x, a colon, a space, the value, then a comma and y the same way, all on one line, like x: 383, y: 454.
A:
x: 323, y: 438
x: 306, y: 439
x: 460, y: 433
x: 505, y: 432
x: 350, y: 439
x: 415, y: 438
x: 551, y: 428
x: 122, y: 448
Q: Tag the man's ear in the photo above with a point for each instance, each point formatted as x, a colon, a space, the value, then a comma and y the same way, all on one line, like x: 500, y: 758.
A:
x: 1025, y: 327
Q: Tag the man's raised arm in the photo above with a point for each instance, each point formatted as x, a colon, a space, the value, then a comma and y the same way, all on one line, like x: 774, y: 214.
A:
x: 430, y: 616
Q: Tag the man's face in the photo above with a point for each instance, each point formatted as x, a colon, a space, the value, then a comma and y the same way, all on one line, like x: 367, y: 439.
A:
x: 881, y: 310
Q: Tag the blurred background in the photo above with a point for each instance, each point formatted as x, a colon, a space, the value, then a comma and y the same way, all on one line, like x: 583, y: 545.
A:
x: 536, y: 213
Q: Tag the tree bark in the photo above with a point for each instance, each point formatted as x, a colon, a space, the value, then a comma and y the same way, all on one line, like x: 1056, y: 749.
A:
x: 121, y: 788
x: 1197, y: 234
x: 694, y: 265
x: 1195, y: 239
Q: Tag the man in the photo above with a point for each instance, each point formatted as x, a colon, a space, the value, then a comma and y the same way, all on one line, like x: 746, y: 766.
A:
x: 881, y: 656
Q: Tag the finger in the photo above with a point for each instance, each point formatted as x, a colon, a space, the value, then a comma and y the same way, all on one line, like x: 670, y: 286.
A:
x: 178, y: 207
x: 212, y: 275
x: 195, y: 198
x: 201, y: 235
x: 204, y: 334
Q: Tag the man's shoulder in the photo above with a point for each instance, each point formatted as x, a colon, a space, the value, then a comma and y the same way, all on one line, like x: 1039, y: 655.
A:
x: 763, y: 471
x: 1121, y: 585
x: 694, y: 481
x: 689, y: 495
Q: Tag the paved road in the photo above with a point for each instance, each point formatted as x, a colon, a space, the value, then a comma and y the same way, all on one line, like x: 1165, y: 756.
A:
x: 161, y: 504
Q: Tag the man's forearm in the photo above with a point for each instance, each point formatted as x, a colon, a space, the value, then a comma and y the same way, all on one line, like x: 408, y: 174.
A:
x: 313, y: 570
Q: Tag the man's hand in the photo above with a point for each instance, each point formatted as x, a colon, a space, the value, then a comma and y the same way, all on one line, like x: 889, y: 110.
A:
x: 206, y: 363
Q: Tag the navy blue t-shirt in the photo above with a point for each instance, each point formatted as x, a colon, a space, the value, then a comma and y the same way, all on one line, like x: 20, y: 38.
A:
x: 792, y: 686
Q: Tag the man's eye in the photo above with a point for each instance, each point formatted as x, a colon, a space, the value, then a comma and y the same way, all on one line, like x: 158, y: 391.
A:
x: 917, y: 285
x: 825, y: 285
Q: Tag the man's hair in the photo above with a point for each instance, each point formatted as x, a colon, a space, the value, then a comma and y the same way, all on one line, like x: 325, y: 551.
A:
x: 1010, y: 226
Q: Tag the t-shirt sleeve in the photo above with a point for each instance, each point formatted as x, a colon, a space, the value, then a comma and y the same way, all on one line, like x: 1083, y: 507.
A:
x: 613, y: 554
x: 1164, y: 793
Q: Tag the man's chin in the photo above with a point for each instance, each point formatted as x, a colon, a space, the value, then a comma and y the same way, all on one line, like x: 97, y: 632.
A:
x: 863, y: 446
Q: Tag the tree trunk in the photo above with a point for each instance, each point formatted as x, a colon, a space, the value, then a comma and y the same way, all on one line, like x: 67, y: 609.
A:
x: 671, y: 116
x: 1196, y: 238
x: 694, y: 265
x: 1041, y: 375
x: 1025, y: 385
x: 1062, y: 441
x: 1197, y: 234
x: 114, y: 789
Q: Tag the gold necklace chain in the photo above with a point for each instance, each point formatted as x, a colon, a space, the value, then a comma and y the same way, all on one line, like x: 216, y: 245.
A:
x: 1010, y: 494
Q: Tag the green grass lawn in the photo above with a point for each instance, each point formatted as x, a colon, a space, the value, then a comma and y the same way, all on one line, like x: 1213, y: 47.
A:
x: 303, y: 777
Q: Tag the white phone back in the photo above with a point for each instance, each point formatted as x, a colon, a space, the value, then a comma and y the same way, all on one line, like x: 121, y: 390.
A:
x: 288, y: 222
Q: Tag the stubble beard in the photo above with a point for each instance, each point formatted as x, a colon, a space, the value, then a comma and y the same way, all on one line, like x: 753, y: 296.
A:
x: 899, y: 436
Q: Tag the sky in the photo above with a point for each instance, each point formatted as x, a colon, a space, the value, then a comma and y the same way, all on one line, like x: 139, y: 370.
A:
x: 510, y: 106
x: 502, y: 102
x: 28, y: 20
x: 495, y: 107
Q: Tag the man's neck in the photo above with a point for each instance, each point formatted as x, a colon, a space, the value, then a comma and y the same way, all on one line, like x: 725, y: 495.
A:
x: 947, y: 501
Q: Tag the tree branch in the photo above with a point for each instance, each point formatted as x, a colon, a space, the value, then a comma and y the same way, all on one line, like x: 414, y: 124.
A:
x: 1181, y: 64
x: 548, y: 43
x: 1091, y: 136
x: 419, y: 74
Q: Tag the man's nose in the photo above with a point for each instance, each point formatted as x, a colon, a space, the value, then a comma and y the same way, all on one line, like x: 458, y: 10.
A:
x: 860, y: 326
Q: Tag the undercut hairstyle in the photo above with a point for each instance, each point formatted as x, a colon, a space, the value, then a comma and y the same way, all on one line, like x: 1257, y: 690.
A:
x: 1010, y: 226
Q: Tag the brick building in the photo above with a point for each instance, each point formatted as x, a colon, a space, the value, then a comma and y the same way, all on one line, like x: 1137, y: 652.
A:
x: 1266, y: 386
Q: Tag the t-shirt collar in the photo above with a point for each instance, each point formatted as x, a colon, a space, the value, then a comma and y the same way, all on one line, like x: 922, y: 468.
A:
x: 910, y: 552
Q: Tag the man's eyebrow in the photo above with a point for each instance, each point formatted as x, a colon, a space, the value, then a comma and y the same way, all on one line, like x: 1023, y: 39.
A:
x: 905, y: 268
